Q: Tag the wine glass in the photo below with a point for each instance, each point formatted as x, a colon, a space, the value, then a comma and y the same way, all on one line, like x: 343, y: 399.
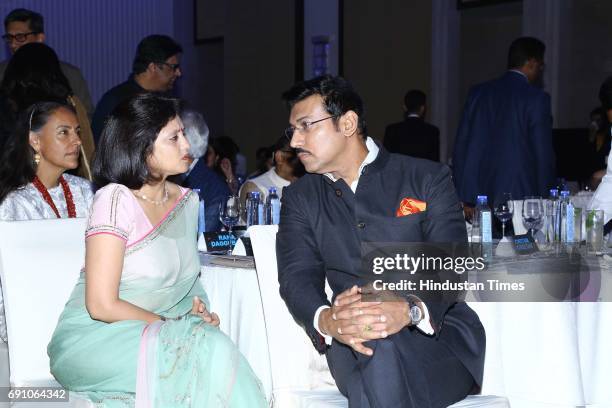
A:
x: 504, y: 211
x: 533, y: 212
x: 229, y: 212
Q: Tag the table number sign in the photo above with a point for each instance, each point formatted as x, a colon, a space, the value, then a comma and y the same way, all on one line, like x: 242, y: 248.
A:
x: 219, y: 241
x: 524, y: 244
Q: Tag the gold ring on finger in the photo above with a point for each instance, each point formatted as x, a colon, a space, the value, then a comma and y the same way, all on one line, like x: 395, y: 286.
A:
x: 367, y: 328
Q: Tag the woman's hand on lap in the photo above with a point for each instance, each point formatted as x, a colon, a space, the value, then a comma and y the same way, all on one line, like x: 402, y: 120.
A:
x: 199, y: 308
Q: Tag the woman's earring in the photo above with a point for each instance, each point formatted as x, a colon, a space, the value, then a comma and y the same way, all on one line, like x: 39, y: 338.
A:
x: 36, y: 158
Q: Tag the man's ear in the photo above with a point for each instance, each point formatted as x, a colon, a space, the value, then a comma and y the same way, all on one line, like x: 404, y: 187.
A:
x: 40, y: 37
x: 532, y: 64
x: 349, y: 123
x: 278, y: 157
x: 151, y: 67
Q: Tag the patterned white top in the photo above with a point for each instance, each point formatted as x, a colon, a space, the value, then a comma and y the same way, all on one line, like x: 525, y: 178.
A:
x: 27, y: 203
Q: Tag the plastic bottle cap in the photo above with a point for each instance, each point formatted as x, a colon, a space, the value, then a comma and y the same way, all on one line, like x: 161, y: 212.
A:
x: 272, y: 189
x: 481, y: 199
x: 565, y: 193
x: 554, y: 192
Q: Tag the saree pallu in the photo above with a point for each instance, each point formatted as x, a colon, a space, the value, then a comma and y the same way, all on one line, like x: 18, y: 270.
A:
x: 176, y: 363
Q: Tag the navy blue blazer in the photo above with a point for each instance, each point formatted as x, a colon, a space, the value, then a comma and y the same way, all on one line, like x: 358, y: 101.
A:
x: 504, y: 141
x: 413, y: 137
x: 213, y: 190
x: 323, y: 224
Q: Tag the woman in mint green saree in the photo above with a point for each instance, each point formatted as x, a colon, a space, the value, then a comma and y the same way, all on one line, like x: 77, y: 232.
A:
x: 136, y: 330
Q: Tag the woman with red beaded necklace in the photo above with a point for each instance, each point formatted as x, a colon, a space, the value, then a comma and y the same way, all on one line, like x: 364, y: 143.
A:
x: 33, y: 185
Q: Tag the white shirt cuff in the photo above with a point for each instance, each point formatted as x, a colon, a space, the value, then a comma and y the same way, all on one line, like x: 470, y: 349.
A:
x: 315, y: 323
x: 425, y: 325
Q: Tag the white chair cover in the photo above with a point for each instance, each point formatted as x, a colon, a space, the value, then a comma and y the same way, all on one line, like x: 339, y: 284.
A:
x: 39, y: 266
x: 294, y: 362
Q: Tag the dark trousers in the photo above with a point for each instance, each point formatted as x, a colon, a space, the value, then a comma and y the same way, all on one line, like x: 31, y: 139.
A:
x: 407, y: 370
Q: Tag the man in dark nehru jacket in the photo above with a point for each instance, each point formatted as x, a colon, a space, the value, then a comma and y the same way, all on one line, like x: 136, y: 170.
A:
x: 405, y: 353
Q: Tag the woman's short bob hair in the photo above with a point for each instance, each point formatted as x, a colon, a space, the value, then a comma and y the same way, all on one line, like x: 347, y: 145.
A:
x: 128, y: 137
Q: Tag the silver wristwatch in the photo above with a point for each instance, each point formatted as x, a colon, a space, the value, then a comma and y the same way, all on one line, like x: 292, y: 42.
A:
x: 416, y: 314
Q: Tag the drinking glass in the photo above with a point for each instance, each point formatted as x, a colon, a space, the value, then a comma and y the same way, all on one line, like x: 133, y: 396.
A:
x: 504, y: 211
x: 229, y: 212
x: 594, y: 231
x: 533, y: 212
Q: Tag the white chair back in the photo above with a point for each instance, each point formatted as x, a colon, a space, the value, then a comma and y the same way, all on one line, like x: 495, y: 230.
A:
x: 294, y: 362
x: 39, y: 265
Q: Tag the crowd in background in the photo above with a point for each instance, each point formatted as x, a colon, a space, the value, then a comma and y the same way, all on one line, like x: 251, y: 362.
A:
x: 505, y: 141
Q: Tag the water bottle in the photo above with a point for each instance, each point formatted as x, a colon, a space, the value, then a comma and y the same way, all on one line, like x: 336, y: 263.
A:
x: 272, y: 207
x: 476, y: 236
x: 567, y: 218
x: 201, y: 213
x: 486, y: 229
x: 552, y: 217
x: 261, y: 213
x: 252, y: 208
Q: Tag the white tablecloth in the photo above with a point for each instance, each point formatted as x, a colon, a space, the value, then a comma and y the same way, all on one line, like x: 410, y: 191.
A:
x: 555, y: 353
x: 234, y: 296
x: 538, y: 354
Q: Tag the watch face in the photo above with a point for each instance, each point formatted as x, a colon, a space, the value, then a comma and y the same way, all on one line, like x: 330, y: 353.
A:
x: 415, y: 314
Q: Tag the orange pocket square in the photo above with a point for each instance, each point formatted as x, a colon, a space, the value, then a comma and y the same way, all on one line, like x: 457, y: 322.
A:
x: 410, y: 206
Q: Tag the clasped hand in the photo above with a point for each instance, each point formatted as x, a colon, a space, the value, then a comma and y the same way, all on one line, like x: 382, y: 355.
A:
x: 353, y: 322
x: 199, y: 309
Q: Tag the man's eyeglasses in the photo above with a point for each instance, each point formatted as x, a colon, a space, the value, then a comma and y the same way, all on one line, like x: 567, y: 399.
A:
x: 304, y: 126
x: 173, y: 67
x: 20, y: 37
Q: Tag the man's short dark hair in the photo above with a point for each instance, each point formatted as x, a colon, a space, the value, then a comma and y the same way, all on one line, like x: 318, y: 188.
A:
x: 524, y: 49
x: 128, y: 137
x: 605, y: 94
x: 338, y: 96
x: 414, y: 100
x: 34, y: 19
x: 154, y: 48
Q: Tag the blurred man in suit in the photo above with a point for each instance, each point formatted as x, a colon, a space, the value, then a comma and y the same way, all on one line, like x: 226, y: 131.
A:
x: 414, y: 137
x: 156, y: 68
x: 24, y: 26
x: 504, y: 140
x: 404, y: 353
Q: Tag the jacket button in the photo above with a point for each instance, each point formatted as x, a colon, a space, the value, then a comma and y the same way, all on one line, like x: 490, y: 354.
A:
x: 339, y: 193
x: 361, y: 225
